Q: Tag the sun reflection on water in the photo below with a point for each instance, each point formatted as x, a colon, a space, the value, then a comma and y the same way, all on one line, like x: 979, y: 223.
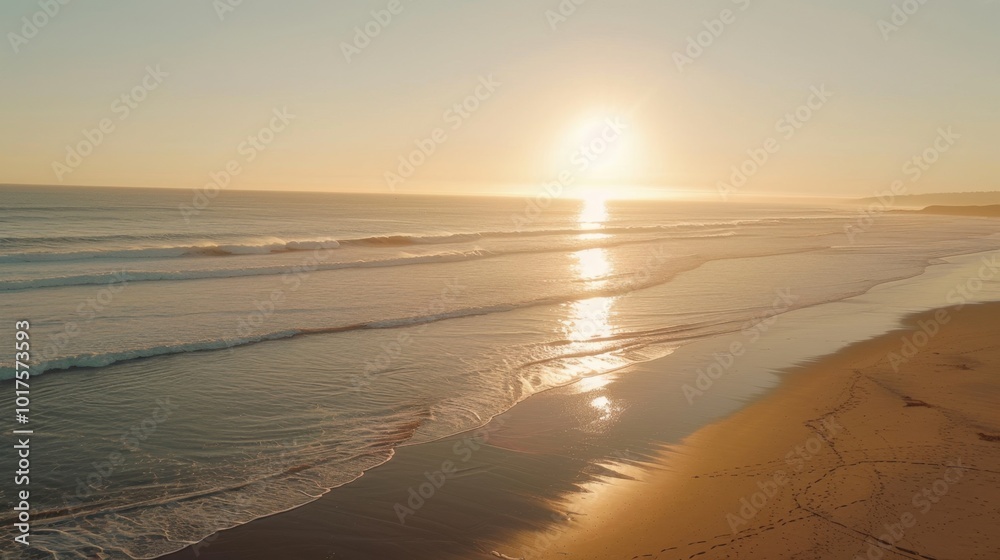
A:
x: 588, y: 328
x: 594, y: 212
x: 592, y: 264
x: 589, y: 319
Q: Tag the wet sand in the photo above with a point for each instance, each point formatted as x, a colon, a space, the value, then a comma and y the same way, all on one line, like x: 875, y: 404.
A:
x: 887, y: 449
x: 825, y: 461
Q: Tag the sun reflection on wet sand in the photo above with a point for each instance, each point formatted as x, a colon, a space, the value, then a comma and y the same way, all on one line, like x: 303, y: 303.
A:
x: 607, y: 411
x: 603, y: 404
x: 595, y: 383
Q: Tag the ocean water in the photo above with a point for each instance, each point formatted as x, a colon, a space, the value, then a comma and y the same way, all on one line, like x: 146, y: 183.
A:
x: 196, y: 370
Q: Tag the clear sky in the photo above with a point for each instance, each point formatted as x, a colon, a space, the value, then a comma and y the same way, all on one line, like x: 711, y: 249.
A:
x: 673, y: 116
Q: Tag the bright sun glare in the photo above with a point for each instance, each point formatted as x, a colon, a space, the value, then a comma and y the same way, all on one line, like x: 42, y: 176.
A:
x: 599, y: 148
x: 602, y: 151
x: 595, y: 208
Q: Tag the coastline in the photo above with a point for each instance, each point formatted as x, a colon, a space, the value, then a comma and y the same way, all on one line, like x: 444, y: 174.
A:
x: 846, y: 459
x: 519, y: 478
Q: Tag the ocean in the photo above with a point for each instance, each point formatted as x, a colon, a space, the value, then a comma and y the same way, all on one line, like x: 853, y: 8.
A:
x: 198, y: 364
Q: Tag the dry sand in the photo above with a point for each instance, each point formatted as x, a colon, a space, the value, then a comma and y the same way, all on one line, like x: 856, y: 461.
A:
x: 848, y: 459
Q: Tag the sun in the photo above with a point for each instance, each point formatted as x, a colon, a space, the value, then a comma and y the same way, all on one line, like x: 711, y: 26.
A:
x: 598, y: 147
x: 600, y: 153
x: 604, y: 148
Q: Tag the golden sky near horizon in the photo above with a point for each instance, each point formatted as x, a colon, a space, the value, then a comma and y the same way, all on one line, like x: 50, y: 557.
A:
x: 817, y: 99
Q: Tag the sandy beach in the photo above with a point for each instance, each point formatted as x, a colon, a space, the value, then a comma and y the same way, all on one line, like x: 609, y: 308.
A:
x: 887, y: 449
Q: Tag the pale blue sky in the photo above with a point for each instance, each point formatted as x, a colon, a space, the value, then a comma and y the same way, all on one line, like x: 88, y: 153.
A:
x: 686, y: 129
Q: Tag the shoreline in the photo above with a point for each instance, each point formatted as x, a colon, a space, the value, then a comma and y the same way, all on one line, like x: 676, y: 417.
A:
x: 847, y: 458
x: 528, y: 464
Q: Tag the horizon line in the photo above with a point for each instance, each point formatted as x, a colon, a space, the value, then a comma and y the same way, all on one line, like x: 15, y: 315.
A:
x: 677, y: 195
